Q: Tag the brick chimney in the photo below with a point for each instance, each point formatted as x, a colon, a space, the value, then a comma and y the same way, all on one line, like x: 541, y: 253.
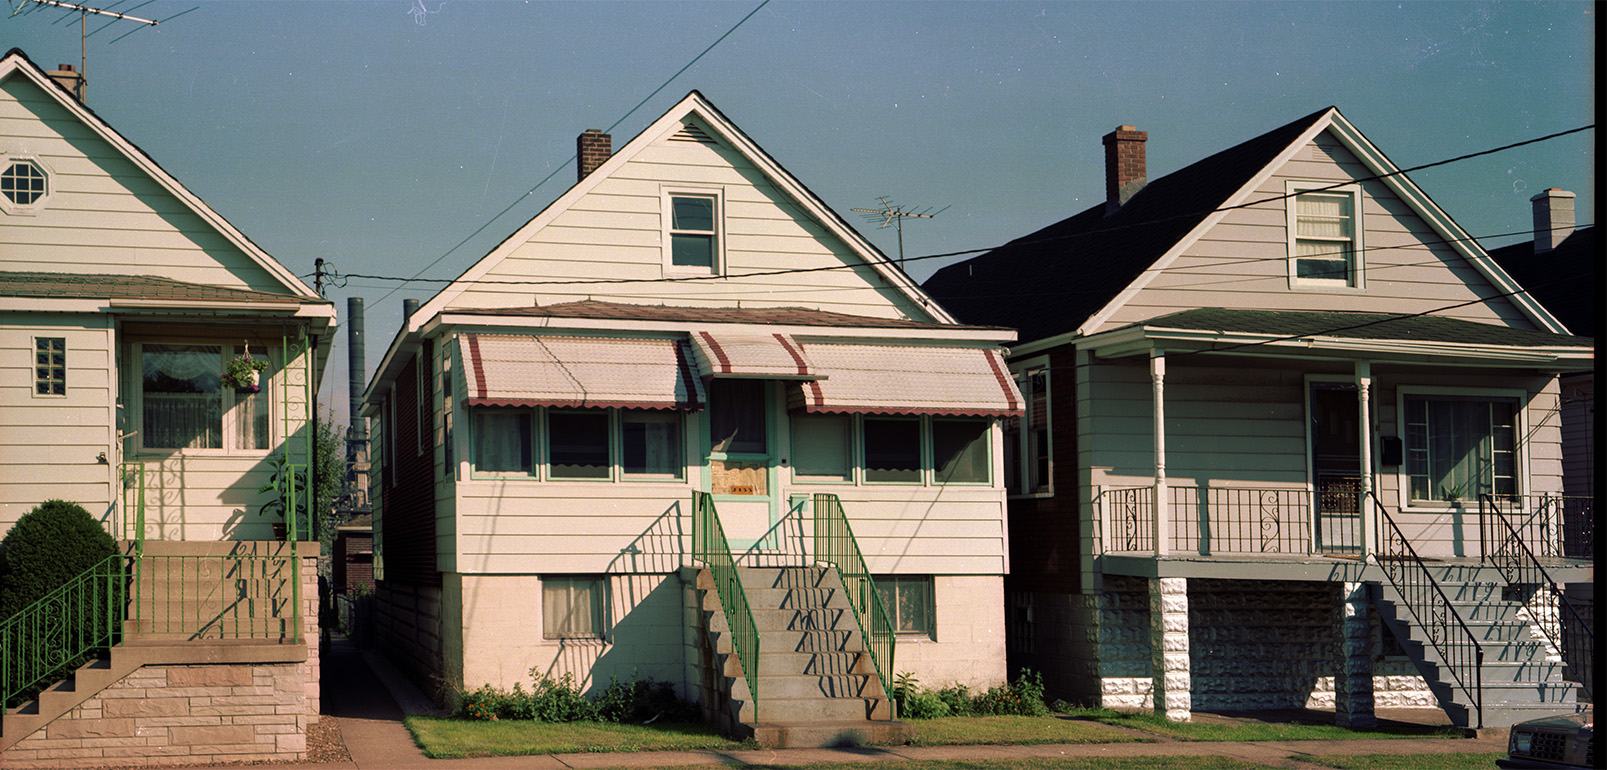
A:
x: 592, y: 149
x: 1124, y: 166
x: 1553, y: 218
x: 70, y: 79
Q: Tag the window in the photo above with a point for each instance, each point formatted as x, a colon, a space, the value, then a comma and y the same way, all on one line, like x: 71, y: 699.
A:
x: 572, y: 607
x: 184, y: 404
x: 502, y: 441
x: 50, y: 366
x: 580, y: 444
x: 692, y: 231
x: 960, y: 451
x: 1460, y: 447
x: 909, y: 604
x: 1028, y: 451
x: 426, y: 397
x: 892, y: 450
x: 24, y: 185
x: 446, y: 414
x: 1325, y: 237
x: 820, y: 448
x: 737, y: 416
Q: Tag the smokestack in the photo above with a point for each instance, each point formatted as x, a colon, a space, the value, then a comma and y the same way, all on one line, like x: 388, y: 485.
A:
x: 592, y: 149
x: 1553, y: 218
x: 70, y: 79
x: 1124, y: 166
x: 358, y: 378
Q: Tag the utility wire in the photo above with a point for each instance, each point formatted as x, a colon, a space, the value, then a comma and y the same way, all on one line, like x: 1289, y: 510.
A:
x: 565, y: 164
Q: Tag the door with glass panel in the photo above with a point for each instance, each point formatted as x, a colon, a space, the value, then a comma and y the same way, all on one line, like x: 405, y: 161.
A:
x: 741, y: 459
x: 1335, y: 467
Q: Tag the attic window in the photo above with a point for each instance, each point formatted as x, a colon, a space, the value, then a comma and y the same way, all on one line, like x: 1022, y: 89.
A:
x: 692, y: 231
x: 24, y: 185
x: 1325, y: 243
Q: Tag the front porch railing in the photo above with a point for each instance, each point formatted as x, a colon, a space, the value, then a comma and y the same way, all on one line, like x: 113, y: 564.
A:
x: 835, y: 545
x: 711, y: 548
x: 1458, y: 648
x: 1506, y: 548
x: 1231, y: 520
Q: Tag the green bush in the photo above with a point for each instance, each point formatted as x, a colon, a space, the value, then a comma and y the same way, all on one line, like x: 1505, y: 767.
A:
x: 1023, y: 697
x: 48, y: 546
x: 560, y: 700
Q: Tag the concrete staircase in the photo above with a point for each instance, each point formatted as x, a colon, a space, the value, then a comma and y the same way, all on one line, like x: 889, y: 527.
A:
x: 817, y: 684
x: 1520, y: 679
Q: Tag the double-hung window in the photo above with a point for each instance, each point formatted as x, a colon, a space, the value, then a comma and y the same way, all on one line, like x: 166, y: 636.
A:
x: 1325, y: 243
x: 185, y: 405
x: 692, y: 231
x: 891, y: 449
x: 1028, y: 451
x: 1460, y: 447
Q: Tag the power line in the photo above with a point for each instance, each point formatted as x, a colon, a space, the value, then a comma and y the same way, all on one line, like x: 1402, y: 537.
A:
x: 571, y: 159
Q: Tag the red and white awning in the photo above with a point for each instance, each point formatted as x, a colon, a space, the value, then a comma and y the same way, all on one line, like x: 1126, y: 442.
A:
x: 542, y: 370
x: 766, y: 356
x: 908, y: 379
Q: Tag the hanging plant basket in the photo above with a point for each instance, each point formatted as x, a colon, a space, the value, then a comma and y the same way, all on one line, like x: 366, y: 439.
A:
x: 244, y: 373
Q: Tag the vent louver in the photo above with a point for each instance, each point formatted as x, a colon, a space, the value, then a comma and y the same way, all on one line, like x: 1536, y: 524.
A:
x: 692, y: 133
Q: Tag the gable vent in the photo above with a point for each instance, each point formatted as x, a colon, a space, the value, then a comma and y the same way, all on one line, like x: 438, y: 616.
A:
x: 692, y: 133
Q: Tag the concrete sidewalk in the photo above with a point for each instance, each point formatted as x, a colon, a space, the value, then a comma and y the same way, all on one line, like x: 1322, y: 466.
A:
x: 362, y: 693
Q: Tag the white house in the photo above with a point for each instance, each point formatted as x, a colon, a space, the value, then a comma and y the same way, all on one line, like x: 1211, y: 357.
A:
x: 688, y: 318
x: 124, y: 299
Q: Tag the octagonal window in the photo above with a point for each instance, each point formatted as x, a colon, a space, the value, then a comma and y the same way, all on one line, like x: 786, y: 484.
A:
x: 24, y: 183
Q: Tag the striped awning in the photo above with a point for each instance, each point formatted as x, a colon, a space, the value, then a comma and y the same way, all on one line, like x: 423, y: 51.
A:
x: 768, y: 356
x: 908, y: 379
x: 544, y: 370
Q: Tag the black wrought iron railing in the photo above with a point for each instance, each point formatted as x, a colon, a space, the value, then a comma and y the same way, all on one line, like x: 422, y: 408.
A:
x: 1128, y: 519
x: 1459, y: 650
x: 1239, y: 520
x: 1506, y: 549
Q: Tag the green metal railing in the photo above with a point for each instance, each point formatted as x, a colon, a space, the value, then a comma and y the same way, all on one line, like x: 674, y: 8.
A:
x: 132, y: 509
x: 50, y: 636
x: 225, y: 596
x: 835, y: 544
x: 710, y: 546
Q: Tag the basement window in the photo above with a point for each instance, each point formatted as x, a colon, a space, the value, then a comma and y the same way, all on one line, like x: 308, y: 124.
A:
x: 572, y: 607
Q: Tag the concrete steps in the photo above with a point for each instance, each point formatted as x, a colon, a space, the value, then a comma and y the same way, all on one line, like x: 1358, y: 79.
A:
x: 817, y: 685
x: 1518, y: 681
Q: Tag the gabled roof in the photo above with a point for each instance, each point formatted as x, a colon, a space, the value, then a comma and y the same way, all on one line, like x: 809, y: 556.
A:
x: 17, y: 64
x: 1563, y: 279
x: 1067, y: 277
x: 708, y: 116
x: 786, y: 316
x: 1362, y: 326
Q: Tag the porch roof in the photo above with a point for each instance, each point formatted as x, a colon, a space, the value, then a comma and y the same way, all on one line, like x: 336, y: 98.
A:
x: 1306, y: 333
x: 908, y: 379
x: 770, y: 356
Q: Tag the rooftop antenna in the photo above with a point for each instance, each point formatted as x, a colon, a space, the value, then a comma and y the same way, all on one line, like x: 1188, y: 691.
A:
x: 84, y: 12
x: 892, y: 214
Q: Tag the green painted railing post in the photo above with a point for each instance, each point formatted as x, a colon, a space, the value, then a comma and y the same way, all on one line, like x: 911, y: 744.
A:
x: 710, y: 546
x: 835, y: 545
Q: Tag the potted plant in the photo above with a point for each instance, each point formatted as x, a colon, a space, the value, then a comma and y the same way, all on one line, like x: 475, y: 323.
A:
x: 244, y: 372
x: 275, y: 506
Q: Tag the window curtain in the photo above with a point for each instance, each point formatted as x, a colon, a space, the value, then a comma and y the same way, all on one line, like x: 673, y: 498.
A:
x: 1458, y: 450
x: 183, y: 408
x: 501, y: 441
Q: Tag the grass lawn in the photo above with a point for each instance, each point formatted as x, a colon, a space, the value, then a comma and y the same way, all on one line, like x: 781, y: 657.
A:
x: 1048, y: 763
x: 1403, y: 762
x: 949, y: 731
x: 458, y: 738
x: 1217, y: 731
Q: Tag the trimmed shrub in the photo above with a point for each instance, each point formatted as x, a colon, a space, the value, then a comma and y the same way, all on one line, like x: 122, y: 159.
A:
x: 560, y: 700
x: 48, y: 546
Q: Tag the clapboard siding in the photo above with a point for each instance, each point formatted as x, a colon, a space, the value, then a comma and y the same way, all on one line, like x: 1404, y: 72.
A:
x: 1578, y: 435
x: 105, y: 214
x: 1242, y: 262
x: 615, y: 231
x: 50, y: 445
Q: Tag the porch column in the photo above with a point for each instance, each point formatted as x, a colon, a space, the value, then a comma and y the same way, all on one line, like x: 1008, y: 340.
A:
x: 1369, y: 521
x: 1353, y: 667
x: 1163, y: 518
x: 1169, y: 647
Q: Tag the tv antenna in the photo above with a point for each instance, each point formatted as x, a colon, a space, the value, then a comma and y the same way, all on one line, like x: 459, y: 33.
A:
x: 84, y: 13
x: 893, y: 215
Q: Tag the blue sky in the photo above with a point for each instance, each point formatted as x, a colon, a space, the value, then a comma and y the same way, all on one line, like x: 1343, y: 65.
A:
x: 379, y: 134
